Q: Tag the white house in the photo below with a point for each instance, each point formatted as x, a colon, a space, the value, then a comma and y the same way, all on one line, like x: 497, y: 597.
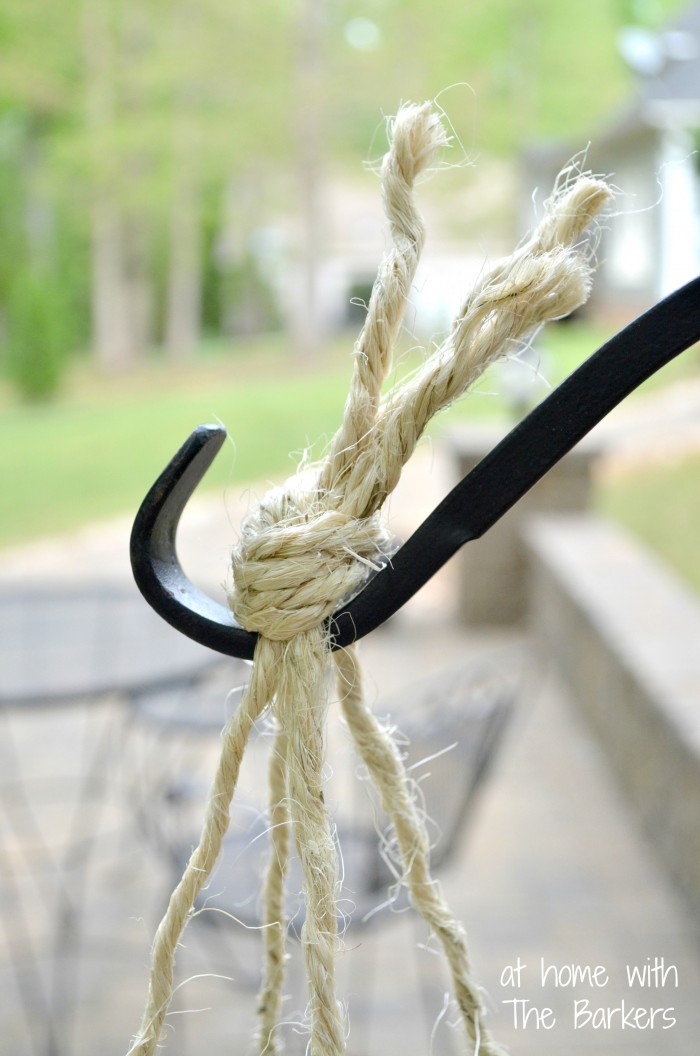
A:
x: 651, y: 244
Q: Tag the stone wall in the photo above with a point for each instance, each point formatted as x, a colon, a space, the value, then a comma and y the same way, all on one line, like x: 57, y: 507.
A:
x: 492, y: 570
x: 625, y: 635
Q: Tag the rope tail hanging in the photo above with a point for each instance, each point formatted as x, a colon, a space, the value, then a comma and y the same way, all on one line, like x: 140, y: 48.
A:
x: 308, y: 545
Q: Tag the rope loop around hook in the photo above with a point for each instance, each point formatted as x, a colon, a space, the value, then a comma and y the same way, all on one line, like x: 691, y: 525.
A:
x: 311, y: 543
x: 296, y: 559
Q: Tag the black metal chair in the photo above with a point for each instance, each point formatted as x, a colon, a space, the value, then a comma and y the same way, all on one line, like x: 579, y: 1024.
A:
x: 73, y: 660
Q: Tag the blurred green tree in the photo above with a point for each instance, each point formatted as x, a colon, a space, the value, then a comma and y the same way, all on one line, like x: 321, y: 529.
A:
x: 39, y: 333
x: 142, y: 142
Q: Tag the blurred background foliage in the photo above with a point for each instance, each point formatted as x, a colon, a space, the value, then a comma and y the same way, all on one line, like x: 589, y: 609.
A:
x: 162, y: 162
x: 142, y: 143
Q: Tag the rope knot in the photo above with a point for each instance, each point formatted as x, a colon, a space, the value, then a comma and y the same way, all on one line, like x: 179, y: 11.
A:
x: 308, y: 547
x: 297, y: 559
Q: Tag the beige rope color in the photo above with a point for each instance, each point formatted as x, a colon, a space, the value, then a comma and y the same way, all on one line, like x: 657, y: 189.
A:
x: 308, y: 545
x: 383, y: 760
x: 273, y: 895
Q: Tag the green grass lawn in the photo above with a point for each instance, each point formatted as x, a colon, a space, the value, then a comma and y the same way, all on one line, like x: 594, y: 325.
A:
x: 661, y: 505
x: 95, y: 450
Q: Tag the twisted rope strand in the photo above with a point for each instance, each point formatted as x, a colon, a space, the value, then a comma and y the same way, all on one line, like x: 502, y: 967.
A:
x: 416, y: 137
x: 301, y: 709
x: 216, y: 820
x: 381, y: 756
x: 307, y: 546
x: 568, y: 213
x: 546, y: 279
x: 275, y: 930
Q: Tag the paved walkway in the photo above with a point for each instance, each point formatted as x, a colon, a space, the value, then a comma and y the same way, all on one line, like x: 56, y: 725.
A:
x: 552, y: 872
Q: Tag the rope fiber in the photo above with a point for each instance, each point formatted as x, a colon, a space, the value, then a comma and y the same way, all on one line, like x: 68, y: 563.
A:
x: 308, y: 545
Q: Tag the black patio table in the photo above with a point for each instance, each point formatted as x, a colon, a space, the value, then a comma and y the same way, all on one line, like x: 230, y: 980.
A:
x: 61, y: 643
x: 75, y: 660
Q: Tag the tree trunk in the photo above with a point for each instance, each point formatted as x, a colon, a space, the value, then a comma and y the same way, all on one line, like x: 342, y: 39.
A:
x: 121, y: 297
x: 111, y: 331
x: 184, y: 292
x: 112, y: 340
x: 135, y: 36
x: 183, y: 318
x: 309, y: 137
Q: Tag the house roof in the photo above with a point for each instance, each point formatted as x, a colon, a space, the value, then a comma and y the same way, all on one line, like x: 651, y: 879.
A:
x: 672, y: 96
x: 668, y: 99
x: 679, y: 78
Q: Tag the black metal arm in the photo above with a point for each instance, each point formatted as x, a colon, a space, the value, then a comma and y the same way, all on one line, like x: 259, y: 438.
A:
x: 469, y: 510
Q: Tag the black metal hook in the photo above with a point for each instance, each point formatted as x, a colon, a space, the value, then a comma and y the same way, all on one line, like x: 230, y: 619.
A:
x: 472, y: 507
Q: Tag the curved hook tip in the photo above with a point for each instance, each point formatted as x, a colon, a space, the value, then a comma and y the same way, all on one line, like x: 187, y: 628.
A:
x: 154, y: 561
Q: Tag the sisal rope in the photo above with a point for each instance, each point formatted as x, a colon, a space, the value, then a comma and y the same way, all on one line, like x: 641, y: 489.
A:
x: 307, y: 546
